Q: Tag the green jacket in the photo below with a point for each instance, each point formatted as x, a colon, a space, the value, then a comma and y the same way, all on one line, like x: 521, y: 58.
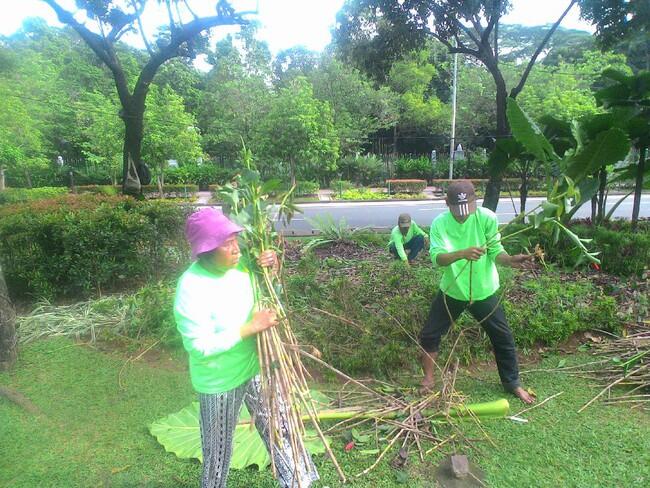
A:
x: 397, y: 238
x: 209, y: 312
x: 481, y: 229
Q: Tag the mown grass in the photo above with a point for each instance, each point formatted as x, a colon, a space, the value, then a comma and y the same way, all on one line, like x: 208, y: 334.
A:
x: 92, y: 432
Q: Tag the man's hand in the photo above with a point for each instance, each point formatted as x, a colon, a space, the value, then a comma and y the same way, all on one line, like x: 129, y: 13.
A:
x: 473, y: 253
x: 521, y: 261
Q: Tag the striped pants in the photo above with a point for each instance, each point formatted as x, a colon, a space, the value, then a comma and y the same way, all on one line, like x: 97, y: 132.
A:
x: 219, y: 416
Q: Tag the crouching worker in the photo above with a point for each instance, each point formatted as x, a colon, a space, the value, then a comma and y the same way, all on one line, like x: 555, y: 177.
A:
x: 466, y: 244
x: 214, y: 311
x: 406, y: 239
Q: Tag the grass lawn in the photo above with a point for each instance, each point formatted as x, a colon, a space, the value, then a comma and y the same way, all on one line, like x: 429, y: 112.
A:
x: 92, y: 432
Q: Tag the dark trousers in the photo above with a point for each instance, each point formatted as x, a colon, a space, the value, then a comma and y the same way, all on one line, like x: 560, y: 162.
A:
x: 493, y: 320
x: 413, y: 247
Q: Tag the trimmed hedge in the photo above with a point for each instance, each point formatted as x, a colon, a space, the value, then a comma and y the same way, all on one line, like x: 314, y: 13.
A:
x: 170, y: 191
x: 406, y: 186
x: 17, y: 195
x: 82, y: 245
x: 362, y: 194
x: 99, y: 189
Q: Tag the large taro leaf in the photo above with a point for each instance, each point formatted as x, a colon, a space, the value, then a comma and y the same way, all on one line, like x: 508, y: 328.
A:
x: 529, y: 134
x: 179, y: 433
x: 608, y: 147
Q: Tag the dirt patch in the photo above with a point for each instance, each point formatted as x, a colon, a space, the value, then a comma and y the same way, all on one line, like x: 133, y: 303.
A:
x: 340, y: 250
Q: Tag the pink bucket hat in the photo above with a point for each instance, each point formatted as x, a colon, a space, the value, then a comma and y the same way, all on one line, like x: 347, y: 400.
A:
x: 207, y: 229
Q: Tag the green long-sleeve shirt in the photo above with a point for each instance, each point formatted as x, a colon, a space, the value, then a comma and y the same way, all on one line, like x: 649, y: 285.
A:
x: 209, y: 312
x: 399, y: 239
x: 481, y: 229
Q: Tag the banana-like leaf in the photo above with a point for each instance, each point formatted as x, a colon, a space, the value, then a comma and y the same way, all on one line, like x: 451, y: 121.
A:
x: 609, y: 147
x: 529, y: 134
x: 180, y: 434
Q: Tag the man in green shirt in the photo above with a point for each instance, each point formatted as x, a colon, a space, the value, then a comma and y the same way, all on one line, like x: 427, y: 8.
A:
x: 406, y: 239
x: 466, y: 244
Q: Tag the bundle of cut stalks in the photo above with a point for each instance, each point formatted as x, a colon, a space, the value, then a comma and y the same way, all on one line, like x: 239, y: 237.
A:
x: 625, y: 364
x: 283, y: 376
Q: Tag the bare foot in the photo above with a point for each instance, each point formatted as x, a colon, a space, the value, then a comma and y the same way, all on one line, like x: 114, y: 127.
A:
x: 523, y: 395
x: 426, y: 385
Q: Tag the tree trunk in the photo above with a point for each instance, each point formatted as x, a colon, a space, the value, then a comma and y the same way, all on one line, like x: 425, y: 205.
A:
x: 395, y: 139
x: 7, y: 328
x: 2, y: 178
x: 134, y: 174
x: 292, y: 171
x: 28, y: 179
x: 638, y: 187
x: 594, y: 209
x: 523, y: 191
x: 493, y: 188
x: 602, y: 188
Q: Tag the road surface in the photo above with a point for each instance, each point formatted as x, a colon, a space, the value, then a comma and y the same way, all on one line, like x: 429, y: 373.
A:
x: 383, y: 214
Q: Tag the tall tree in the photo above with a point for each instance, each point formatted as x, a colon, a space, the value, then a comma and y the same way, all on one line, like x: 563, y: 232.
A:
x: 236, y: 96
x: 464, y: 27
x: 623, y: 25
x: 299, y: 132
x: 359, y: 109
x: 184, y: 36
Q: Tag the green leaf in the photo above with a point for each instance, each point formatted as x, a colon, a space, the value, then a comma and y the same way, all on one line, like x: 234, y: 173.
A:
x: 529, y: 134
x: 609, y: 147
x: 180, y: 434
x: 270, y: 186
x: 561, y: 363
x: 360, y: 438
x: 550, y: 209
x: 401, y: 477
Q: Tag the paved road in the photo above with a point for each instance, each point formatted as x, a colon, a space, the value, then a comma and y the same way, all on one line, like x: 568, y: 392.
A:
x: 384, y: 214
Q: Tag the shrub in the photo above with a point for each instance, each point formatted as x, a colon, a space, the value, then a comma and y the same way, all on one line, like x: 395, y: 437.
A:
x: 553, y: 309
x: 341, y: 185
x: 623, y: 252
x: 419, y: 168
x: 152, y: 312
x: 88, y: 244
x: 305, y: 188
x: 406, y: 186
x: 99, y: 189
x: 17, y: 195
x: 474, y: 166
x: 362, y: 194
x: 363, y: 170
x: 170, y: 191
x: 203, y: 175
x: 382, y: 304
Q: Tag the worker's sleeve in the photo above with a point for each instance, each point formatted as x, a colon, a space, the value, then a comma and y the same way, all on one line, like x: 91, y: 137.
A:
x: 493, y: 237
x: 417, y: 231
x: 437, y: 244
x: 398, y: 241
x: 198, y: 326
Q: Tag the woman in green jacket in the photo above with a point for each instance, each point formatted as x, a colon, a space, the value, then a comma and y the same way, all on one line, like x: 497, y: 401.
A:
x: 214, y: 312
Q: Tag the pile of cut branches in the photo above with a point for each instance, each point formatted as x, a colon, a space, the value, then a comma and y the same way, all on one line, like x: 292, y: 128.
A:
x: 625, y: 364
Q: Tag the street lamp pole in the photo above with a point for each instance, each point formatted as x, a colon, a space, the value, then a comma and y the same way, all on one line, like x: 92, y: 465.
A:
x: 452, y: 143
